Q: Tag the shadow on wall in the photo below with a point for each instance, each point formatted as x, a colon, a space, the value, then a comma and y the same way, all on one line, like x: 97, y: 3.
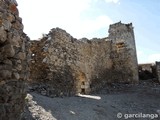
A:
x: 107, y: 77
x: 147, y: 71
x: 55, y: 84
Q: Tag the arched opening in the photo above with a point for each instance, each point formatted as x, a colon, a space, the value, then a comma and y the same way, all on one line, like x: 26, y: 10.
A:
x: 82, y: 83
x: 83, y: 87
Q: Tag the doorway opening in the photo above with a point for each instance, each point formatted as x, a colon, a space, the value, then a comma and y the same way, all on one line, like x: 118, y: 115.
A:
x: 83, y: 87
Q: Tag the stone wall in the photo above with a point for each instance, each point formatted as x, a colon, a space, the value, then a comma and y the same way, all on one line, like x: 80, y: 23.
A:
x: 95, y: 63
x: 13, y: 62
x: 147, y: 71
x: 147, y: 66
x: 158, y: 70
x: 69, y: 66
x: 51, y: 64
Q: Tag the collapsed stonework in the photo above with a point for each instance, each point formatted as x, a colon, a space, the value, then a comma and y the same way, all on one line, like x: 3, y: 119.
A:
x: 13, y: 61
x: 158, y: 70
x: 63, y: 65
x: 147, y: 66
x: 147, y: 71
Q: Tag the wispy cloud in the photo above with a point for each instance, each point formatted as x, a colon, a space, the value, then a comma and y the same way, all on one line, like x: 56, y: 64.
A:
x: 154, y: 57
x: 39, y: 16
x: 84, y: 28
x: 113, y: 1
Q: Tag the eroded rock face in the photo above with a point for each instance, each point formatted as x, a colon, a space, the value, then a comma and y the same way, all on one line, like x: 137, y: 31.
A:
x: 63, y: 65
x: 13, y: 61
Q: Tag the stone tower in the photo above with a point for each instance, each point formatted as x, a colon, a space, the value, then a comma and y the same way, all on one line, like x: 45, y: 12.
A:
x: 125, y: 66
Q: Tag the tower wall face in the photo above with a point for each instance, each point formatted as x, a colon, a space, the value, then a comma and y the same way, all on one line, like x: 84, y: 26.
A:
x: 123, y: 52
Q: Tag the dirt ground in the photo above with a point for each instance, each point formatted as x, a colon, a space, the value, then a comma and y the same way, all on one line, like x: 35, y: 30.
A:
x: 116, y: 102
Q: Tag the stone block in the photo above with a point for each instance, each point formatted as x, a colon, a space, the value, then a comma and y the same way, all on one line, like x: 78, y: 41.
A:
x: 1, y: 9
x: 18, y: 67
x: 15, y: 41
x: 16, y: 76
x: 7, y: 25
x: 14, y: 2
x: 5, y: 67
x: 2, y: 82
x: 1, y: 22
x: 3, y: 34
x: 10, y: 17
x: 5, y: 74
x: 8, y: 50
x: 22, y: 55
x: 17, y: 25
x: 13, y: 8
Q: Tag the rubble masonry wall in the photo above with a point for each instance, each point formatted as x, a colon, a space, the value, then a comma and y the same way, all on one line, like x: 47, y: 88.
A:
x: 13, y: 61
x: 69, y: 66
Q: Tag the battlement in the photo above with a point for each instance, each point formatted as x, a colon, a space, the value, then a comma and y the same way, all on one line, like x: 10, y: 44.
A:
x: 120, y: 27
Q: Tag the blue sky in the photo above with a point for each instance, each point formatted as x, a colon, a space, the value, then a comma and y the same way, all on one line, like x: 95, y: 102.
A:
x: 91, y: 18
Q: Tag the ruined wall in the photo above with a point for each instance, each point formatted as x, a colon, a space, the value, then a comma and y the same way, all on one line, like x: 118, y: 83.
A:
x: 123, y: 53
x: 13, y: 62
x: 158, y: 70
x: 147, y: 71
x: 69, y: 66
x: 53, y: 62
x: 147, y: 67
x: 96, y: 62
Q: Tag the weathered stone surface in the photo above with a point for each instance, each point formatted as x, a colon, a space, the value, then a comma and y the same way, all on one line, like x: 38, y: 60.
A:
x: 15, y: 41
x: 8, y: 50
x: 22, y: 55
x: 18, y: 67
x: 13, y: 8
x: 14, y: 2
x: 123, y: 53
x: 64, y: 65
x: 5, y: 74
x: 4, y: 66
x: 17, y: 25
x: 13, y: 61
x: 147, y: 71
x: 11, y: 18
x: 7, y: 25
x: 16, y: 75
x: 158, y: 70
x: 3, y: 34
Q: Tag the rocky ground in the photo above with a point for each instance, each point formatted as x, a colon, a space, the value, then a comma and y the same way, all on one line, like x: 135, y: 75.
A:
x: 140, y: 102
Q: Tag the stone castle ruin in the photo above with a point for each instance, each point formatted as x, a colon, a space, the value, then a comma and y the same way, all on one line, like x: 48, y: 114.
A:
x: 59, y: 64
x: 63, y: 65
